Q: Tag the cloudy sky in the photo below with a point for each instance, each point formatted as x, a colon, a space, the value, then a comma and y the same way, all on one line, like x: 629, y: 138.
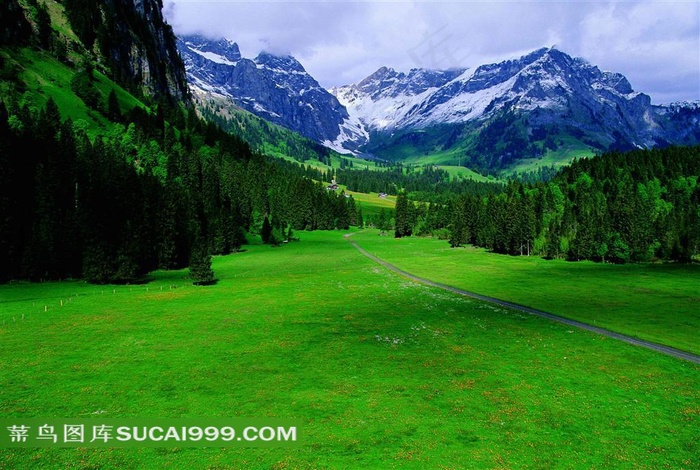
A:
x: 656, y: 44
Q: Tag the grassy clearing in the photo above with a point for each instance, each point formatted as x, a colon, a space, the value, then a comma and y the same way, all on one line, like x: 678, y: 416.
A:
x: 657, y: 302
x: 358, y: 163
x: 461, y: 172
x: 451, y: 156
x: 371, y: 203
x: 383, y: 372
x: 571, y: 149
x: 59, y: 20
x: 47, y: 78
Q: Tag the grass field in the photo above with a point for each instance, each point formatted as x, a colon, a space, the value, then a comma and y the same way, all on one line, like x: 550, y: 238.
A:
x: 657, y: 302
x: 384, y: 373
x: 571, y: 148
x: 441, y: 157
x: 460, y: 172
x: 371, y: 203
x: 47, y: 78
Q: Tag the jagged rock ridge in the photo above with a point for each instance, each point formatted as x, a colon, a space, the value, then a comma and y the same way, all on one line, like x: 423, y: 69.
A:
x: 546, y: 91
x: 273, y: 87
x: 548, y: 86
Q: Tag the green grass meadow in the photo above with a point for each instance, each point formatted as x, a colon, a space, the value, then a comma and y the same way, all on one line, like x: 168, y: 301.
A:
x: 47, y: 78
x: 656, y: 302
x: 383, y: 372
x: 461, y: 172
x: 570, y: 149
x: 372, y: 204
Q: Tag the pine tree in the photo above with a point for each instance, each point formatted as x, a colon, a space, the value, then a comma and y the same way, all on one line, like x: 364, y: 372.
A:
x: 402, y: 218
x: 43, y: 21
x: 266, y: 231
x: 341, y: 212
x: 201, y: 272
x: 381, y: 219
x: 167, y: 226
x: 114, y: 113
x: 457, y: 227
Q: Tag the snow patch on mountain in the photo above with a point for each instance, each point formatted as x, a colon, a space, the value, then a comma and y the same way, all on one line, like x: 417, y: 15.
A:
x: 550, y: 88
x: 353, y: 134
x: 381, y: 113
x: 219, y: 59
x: 547, y: 81
x: 277, y: 88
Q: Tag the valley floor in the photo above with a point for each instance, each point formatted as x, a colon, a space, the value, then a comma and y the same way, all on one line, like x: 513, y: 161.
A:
x: 383, y: 372
x: 655, y: 302
x: 531, y: 311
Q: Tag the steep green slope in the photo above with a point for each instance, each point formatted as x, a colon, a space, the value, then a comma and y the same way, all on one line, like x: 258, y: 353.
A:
x: 272, y: 139
x: 40, y: 76
x: 504, y: 145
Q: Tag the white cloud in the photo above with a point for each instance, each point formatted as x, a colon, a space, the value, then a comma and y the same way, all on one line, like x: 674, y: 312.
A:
x: 655, y: 44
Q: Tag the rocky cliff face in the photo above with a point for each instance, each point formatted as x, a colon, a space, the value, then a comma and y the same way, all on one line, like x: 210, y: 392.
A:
x: 135, y: 43
x: 144, y: 49
x: 273, y: 87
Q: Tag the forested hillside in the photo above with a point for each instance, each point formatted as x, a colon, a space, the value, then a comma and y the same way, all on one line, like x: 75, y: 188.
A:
x: 619, y: 207
x: 142, y: 197
x: 127, y: 187
x: 261, y: 135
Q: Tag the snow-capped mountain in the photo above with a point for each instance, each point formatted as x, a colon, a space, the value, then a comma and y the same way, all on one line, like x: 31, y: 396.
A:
x: 385, y: 98
x: 273, y: 87
x: 547, y: 85
x: 513, y: 109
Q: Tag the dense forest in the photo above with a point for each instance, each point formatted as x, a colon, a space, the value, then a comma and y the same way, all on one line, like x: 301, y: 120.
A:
x: 428, y: 183
x: 145, y: 196
x: 139, y: 186
x: 618, y: 207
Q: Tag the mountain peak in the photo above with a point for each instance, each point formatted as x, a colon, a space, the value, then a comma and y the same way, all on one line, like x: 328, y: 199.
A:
x: 551, y: 90
x: 275, y: 87
x: 383, y: 77
x: 222, y: 50
x: 280, y: 62
x: 536, y: 54
x: 546, y: 82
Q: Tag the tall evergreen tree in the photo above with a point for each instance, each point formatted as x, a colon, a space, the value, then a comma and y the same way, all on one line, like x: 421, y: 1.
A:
x: 43, y: 22
x: 402, y: 218
x: 458, y: 235
x: 114, y: 112
x: 201, y: 272
x: 382, y: 219
x: 266, y: 231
